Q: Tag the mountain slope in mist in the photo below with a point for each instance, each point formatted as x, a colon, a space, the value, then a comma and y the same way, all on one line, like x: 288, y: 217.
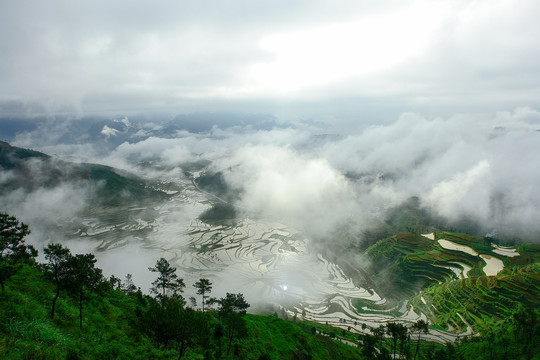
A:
x: 29, y: 170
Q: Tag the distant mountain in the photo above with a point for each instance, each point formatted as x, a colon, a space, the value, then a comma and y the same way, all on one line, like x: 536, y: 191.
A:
x: 205, y: 122
x: 109, y: 132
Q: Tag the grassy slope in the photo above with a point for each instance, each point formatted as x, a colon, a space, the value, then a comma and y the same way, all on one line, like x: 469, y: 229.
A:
x: 286, y: 340
x: 26, y: 330
x: 409, y: 264
x: 482, y: 300
x: 111, y: 330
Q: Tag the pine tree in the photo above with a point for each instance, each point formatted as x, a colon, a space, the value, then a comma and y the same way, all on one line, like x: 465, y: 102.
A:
x: 129, y: 285
x: 231, y: 311
x: 420, y: 327
x: 83, y: 277
x: 204, y: 286
x: 167, y: 284
x: 58, y: 258
x: 13, y: 250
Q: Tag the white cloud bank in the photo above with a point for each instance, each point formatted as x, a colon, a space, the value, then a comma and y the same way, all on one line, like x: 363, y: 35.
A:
x: 279, y: 184
x: 469, y: 166
x: 480, y: 167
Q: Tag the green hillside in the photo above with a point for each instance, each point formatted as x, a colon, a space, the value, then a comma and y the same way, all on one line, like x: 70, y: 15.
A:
x: 65, y: 309
x: 411, y: 265
x: 481, y: 300
x: 31, y: 170
x: 114, y: 187
x: 113, y: 328
x: 9, y: 155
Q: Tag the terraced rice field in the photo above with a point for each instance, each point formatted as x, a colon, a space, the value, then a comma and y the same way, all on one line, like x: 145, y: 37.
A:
x: 453, y: 246
x: 505, y: 251
x: 269, y: 263
x: 469, y: 283
x: 508, y: 277
x: 481, y: 299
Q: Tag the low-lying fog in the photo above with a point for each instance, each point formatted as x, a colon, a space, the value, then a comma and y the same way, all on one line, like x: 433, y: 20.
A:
x: 295, y: 184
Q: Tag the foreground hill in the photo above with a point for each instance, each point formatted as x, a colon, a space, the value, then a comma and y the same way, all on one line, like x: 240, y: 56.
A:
x: 67, y: 309
x: 120, y: 323
x: 114, y: 328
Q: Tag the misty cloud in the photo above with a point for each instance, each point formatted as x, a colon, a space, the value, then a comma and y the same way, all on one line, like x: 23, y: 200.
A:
x: 6, y: 176
x: 280, y: 184
x: 311, y: 181
x: 475, y: 166
x: 168, y: 152
x: 185, y: 147
x: 316, y: 115
x: 107, y: 131
x: 465, y: 192
x: 45, y: 208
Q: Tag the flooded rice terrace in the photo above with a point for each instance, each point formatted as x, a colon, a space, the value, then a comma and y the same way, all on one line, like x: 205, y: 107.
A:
x: 269, y: 263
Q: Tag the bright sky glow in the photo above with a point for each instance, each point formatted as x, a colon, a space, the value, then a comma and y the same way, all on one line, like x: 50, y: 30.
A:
x: 297, y: 60
x: 323, y: 55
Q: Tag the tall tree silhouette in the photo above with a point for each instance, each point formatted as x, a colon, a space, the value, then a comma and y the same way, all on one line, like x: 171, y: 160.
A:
x: 83, y: 277
x: 167, y: 284
x: 129, y: 285
x: 396, y: 331
x: 419, y: 327
x: 526, y: 328
x: 203, y: 286
x: 368, y: 345
x: 379, y: 334
x: 232, y: 309
x: 58, y: 258
x: 13, y: 250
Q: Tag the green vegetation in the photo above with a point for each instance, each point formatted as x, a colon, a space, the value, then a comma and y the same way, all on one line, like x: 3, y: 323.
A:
x: 13, y: 250
x: 114, y: 188
x: 65, y: 309
x: 32, y: 170
x: 219, y: 212
x: 274, y: 338
x: 203, y: 286
x: 213, y: 183
x: 412, y: 266
x: 482, y: 301
x: 406, y: 263
x: 9, y: 155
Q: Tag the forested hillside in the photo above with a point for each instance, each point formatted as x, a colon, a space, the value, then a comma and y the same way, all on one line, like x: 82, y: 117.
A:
x: 65, y: 308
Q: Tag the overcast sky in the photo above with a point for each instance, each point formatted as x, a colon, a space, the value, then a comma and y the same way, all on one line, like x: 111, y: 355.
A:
x: 311, y: 59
